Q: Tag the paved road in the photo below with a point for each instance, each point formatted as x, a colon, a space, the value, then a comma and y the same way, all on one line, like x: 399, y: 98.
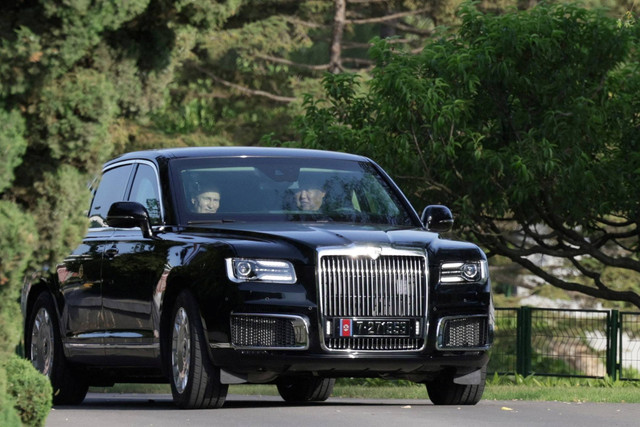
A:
x: 108, y: 410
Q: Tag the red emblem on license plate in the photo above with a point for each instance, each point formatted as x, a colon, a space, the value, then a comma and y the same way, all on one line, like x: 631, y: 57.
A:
x: 345, y: 328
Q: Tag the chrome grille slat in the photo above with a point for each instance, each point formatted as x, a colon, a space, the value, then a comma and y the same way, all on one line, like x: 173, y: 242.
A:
x: 359, y: 287
x: 392, y: 285
x: 374, y: 344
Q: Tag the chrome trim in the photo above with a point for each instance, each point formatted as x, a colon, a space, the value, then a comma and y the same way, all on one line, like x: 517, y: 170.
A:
x: 158, y: 188
x: 220, y: 345
x: 94, y: 336
x: 382, y: 288
x: 300, y: 326
x: 89, y: 346
x: 440, y: 338
x: 451, y: 272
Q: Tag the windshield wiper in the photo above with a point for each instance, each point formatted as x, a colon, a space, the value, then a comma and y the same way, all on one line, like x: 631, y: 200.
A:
x: 210, y: 221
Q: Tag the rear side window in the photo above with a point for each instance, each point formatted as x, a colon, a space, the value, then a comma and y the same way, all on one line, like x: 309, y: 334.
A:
x: 111, y: 189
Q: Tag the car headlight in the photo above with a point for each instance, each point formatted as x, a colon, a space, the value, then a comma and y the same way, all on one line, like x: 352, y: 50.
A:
x: 464, y: 272
x: 260, y: 270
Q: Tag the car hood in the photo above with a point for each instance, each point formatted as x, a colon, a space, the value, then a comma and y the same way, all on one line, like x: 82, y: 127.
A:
x: 305, y: 238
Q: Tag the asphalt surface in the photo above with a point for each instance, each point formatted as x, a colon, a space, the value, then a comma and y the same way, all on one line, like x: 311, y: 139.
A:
x: 157, y: 410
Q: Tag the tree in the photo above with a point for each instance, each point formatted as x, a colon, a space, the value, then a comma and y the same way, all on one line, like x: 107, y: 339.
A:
x: 525, y: 123
x: 249, y: 77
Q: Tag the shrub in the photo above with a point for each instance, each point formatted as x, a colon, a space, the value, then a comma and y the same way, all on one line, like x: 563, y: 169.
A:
x: 8, y: 415
x: 30, y: 390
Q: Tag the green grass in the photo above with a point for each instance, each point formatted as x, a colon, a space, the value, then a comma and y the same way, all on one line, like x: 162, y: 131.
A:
x: 498, y: 388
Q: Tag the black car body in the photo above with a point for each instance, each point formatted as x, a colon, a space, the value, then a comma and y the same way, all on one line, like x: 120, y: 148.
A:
x: 260, y: 291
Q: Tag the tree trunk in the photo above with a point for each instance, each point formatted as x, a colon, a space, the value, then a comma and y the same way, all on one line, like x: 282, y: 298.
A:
x: 335, y: 52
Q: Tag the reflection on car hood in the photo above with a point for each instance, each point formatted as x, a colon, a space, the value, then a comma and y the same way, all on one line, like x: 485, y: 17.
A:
x: 273, y: 238
x: 323, y: 234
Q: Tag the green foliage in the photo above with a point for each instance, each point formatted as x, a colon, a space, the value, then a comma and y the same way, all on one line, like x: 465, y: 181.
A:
x: 73, y: 117
x: 18, y: 236
x: 12, y: 145
x: 30, y: 390
x: 8, y: 415
x: 536, y: 381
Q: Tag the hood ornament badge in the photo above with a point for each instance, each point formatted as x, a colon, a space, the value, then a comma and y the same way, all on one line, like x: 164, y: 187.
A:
x: 372, y: 252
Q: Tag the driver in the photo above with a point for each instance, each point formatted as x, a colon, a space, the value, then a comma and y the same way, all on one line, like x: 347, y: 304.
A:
x: 310, y: 194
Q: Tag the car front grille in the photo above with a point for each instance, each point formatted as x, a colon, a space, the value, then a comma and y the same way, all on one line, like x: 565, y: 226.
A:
x: 391, y: 285
x: 463, y: 333
x: 268, y: 332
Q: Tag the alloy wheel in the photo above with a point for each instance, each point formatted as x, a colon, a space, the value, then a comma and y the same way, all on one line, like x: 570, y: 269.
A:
x: 42, y: 342
x: 180, y: 350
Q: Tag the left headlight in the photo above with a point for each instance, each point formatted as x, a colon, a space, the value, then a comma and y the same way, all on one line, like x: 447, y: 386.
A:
x: 260, y: 270
x: 464, y: 272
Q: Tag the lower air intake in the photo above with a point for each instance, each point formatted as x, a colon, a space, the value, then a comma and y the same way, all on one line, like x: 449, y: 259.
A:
x: 463, y: 333
x: 269, y: 332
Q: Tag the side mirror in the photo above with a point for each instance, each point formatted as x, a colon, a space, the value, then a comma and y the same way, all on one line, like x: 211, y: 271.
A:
x: 129, y: 215
x: 437, y: 218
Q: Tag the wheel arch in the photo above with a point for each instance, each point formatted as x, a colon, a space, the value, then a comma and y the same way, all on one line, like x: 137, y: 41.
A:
x: 34, y: 291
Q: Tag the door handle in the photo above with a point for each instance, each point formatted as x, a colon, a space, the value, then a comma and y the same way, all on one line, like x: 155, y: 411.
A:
x: 111, y: 252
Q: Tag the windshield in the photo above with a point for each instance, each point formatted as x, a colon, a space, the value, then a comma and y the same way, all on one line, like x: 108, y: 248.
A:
x: 284, y: 189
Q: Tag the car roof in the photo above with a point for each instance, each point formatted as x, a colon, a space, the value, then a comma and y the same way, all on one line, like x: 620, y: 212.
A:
x: 195, y: 152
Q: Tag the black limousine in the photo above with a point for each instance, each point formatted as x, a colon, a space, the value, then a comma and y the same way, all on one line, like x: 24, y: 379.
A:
x: 205, y: 267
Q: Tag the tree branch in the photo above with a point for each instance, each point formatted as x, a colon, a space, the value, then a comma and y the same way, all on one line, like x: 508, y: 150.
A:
x: 600, y: 292
x: 319, y: 67
x: 304, y: 23
x: 497, y: 243
x: 387, y: 17
x: 242, y: 89
x: 410, y: 29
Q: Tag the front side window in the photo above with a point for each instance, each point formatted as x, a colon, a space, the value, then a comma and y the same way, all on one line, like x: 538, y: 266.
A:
x: 145, y: 191
x: 111, y: 189
x: 285, y: 189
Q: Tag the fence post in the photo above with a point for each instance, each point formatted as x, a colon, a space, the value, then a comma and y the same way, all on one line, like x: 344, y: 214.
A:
x: 613, y: 329
x: 523, y: 356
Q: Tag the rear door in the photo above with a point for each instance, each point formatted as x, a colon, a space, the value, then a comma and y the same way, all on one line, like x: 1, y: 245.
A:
x: 80, y: 274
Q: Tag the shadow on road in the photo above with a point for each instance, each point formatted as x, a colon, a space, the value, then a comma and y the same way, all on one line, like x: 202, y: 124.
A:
x: 143, y: 402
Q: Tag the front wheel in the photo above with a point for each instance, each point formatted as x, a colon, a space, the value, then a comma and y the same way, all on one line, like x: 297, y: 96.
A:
x: 443, y: 391
x: 44, y: 349
x: 308, y: 389
x: 195, y: 382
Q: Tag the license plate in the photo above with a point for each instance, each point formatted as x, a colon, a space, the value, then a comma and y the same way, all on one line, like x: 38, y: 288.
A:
x: 372, y: 328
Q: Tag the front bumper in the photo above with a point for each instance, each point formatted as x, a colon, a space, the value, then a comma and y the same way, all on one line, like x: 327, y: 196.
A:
x: 265, y: 346
x: 267, y: 366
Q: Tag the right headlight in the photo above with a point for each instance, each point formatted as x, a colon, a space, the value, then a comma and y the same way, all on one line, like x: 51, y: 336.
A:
x: 464, y: 272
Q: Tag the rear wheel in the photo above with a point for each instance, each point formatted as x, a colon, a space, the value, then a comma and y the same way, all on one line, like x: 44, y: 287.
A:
x: 308, y: 389
x: 44, y: 348
x: 443, y: 391
x: 195, y: 382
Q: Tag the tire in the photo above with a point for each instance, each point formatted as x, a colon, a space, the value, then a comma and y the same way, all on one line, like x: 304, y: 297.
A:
x: 443, y: 391
x: 308, y: 389
x: 195, y: 382
x: 43, y: 347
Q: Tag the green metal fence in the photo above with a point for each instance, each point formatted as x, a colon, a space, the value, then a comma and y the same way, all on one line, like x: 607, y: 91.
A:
x: 569, y: 343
